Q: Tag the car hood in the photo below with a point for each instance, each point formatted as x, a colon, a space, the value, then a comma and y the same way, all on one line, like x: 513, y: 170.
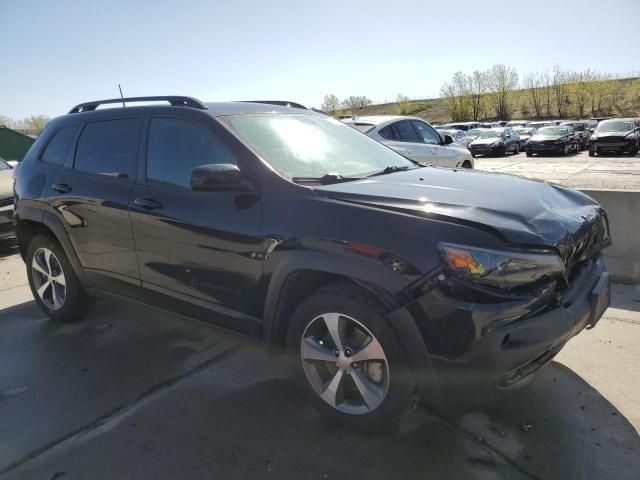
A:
x: 542, y: 138
x: 6, y: 184
x: 485, y: 141
x: 517, y: 209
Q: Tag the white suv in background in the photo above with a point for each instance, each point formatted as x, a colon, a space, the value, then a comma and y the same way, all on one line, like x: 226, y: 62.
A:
x: 415, y: 139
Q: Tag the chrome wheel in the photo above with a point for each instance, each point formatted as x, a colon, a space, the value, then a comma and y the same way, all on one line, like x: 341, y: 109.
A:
x: 48, y: 278
x: 344, y: 363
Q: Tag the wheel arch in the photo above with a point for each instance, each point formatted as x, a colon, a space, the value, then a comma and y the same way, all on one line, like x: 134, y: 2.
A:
x: 30, y: 224
x: 302, y: 273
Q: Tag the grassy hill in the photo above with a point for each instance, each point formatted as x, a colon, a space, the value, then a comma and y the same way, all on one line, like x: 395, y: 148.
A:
x: 619, y: 97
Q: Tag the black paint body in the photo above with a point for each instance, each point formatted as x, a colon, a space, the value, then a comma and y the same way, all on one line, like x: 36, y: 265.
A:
x: 232, y: 258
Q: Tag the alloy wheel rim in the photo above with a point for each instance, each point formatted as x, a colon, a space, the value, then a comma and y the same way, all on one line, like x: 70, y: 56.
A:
x: 344, y: 363
x: 48, y: 278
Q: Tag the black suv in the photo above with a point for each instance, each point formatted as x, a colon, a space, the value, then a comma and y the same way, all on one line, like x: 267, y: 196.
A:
x: 382, y: 278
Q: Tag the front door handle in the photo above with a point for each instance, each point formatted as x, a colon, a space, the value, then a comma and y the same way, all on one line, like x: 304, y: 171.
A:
x: 61, y: 188
x: 147, y: 203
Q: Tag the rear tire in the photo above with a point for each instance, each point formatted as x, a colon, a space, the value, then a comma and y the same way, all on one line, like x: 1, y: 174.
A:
x: 592, y: 153
x: 332, y: 383
x: 516, y: 150
x: 53, y: 282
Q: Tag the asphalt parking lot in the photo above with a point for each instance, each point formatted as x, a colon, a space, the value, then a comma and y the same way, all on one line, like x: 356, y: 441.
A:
x: 134, y: 392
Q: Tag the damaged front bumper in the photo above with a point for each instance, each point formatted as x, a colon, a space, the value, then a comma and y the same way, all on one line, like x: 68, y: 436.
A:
x: 456, y: 343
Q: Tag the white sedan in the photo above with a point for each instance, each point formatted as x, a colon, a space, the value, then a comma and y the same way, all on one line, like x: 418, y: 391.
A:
x: 415, y: 139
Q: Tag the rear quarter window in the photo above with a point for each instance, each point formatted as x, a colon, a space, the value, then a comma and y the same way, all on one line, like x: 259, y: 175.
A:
x: 58, y: 147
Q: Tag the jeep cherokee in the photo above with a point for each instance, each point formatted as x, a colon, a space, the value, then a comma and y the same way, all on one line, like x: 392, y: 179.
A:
x: 384, y: 280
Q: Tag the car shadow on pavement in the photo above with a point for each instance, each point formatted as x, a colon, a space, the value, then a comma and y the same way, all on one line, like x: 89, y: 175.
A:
x: 8, y: 247
x: 241, y: 417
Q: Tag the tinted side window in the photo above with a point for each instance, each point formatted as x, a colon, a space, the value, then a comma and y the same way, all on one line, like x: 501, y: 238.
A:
x: 428, y: 134
x: 387, y: 133
x: 58, y: 147
x: 406, y: 132
x: 175, y: 147
x: 109, y: 148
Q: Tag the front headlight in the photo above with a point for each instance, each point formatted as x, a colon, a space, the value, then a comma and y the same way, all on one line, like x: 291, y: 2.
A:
x: 630, y: 136
x: 593, y: 137
x: 499, y: 143
x: 561, y: 141
x: 502, y: 269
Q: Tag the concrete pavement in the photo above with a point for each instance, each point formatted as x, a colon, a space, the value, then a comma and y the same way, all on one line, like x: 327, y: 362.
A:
x: 575, y: 170
x: 133, y: 392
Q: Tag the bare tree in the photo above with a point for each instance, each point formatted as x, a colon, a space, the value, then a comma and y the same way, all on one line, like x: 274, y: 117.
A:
x: 457, y: 96
x: 502, y: 81
x: 578, y: 89
x: 331, y: 103
x: 547, y: 92
x: 477, y: 89
x: 533, y: 84
x: 356, y: 102
x: 560, y: 90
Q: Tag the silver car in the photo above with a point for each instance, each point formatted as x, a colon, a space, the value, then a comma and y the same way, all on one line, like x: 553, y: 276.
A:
x: 415, y: 139
x: 6, y: 200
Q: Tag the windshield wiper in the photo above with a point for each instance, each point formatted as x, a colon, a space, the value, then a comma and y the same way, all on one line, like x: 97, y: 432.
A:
x: 387, y: 170
x: 326, y: 179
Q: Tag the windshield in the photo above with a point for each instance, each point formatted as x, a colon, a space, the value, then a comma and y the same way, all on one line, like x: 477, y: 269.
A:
x: 490, y: 134
x: 614, y: 126
x: 313, y: 146
x: 523, y: 131
x: 474, y: 132
x: 553, y: 131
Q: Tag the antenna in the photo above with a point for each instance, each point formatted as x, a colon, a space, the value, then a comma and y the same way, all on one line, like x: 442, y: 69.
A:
x: 121, y: 95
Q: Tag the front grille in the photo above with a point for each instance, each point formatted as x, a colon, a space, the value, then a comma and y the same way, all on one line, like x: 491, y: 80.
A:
x: 5, y: 202
x: 612, y: 144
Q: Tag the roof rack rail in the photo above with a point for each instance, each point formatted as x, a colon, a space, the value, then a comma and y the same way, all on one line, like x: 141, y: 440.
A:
x: 175, y: 101
x: 281, y: 103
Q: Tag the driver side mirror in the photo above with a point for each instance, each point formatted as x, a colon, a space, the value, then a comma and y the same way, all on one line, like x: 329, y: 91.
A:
x: 219, y: 177
x: 448, y: 139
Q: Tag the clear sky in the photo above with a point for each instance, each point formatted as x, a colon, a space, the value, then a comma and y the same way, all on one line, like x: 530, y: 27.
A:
x: 57, y: 53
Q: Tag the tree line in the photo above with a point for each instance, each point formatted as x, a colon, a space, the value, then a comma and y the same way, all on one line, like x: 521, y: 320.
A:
x: 32, y: 125
x: 499, y: 93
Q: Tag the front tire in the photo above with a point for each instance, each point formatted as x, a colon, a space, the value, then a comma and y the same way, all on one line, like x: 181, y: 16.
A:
x: 55, y: 286
x: 516, y: 150
x: 348, y: 361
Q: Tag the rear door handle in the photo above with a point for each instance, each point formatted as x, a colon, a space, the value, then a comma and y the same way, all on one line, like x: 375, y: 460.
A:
x: 61, y: 188
x: 147, y: 203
